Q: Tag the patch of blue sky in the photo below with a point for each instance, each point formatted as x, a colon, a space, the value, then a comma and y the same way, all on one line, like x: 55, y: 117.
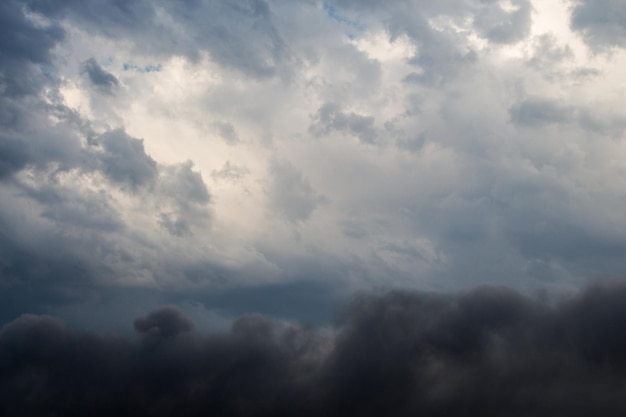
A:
x: 145, y: 68
x: 48, y: 71
x: 332, y: 12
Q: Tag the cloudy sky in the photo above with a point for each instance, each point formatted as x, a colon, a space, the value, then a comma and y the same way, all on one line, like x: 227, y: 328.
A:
x: 438, y: 187
x: 275, y: 157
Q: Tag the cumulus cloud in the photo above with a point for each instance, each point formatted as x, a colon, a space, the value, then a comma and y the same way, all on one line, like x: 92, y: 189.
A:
x: 349, y: 144
x: 489, y: 351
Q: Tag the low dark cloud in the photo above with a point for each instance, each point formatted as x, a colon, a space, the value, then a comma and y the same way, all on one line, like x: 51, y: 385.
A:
x: 488, y: 352
x: 164, y: 323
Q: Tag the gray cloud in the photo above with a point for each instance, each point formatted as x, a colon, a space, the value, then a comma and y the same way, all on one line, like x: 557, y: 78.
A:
x: 184, y: 185
x: 174, y: 224
x: 291, y: 195
x: 70, y: 209
x: 494, y: 164
x: 601, y: 22
x: 184, y: 193
x: 13, y: 156
x: 501, y: 26
x: 227, y: 132
x: 125, y: 161
x: 27, y: 46
x: 230, y: 172
x: 253, y: 45
x: 330, y: 118
x: 102, y: 79
x: 537, y: 112
x: 548, y: 53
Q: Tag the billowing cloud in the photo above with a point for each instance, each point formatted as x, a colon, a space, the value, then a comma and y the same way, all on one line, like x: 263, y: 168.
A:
x: 489, y: 351
x: 270, y: 155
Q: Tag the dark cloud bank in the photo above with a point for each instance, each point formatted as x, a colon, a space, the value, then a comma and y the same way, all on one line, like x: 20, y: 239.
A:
x: 488, y: 352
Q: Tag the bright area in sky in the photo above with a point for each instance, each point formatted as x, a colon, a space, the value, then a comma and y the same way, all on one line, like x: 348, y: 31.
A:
x: 293, y: 152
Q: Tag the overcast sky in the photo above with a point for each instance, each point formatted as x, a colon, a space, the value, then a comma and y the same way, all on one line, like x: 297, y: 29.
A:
x: 308, y: 208
x: 279, y: 156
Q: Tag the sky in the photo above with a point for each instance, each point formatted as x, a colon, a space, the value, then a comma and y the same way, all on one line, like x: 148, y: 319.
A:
x: 284, y: 167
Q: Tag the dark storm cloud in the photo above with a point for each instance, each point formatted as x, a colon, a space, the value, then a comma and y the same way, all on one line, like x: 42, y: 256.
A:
x: 601, y: 22
x: 164, y: 323
x: 488, y: 352
x: 102, y: 79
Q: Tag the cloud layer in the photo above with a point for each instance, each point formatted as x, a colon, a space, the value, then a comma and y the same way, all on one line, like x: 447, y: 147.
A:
x: 487, y: 352
x: 188, y: 150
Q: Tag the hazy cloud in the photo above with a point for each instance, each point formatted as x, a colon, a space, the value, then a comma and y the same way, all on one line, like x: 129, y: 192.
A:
x: 537, y: 112
x: 291, y: 195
